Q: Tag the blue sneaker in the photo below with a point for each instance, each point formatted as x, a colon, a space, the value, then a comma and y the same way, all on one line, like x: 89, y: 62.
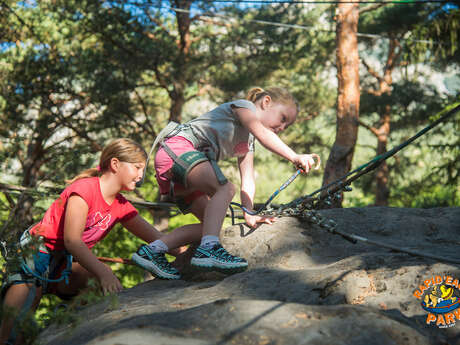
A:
x: 217, y: 258
x: 155, y: 263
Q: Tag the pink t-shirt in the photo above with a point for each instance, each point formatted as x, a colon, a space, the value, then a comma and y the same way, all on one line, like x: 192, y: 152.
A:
x: 100, y: 220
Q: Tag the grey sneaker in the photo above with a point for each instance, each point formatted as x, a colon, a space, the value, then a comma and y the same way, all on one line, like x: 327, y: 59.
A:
x: 217, y: 258
x: 155, y: 263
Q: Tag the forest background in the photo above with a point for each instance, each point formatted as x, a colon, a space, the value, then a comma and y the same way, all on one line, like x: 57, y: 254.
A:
x: 75, y: 74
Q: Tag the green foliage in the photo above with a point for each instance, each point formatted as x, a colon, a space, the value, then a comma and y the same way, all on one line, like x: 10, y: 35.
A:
x: 428, y: 196
x: 400, y: 83
x: 443, y: 31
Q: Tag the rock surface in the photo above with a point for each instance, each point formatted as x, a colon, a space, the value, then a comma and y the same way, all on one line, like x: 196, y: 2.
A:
x: 303, y: 286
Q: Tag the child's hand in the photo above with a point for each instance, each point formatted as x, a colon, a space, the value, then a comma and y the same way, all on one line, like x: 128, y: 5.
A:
x: 109, y: 282
x: 254, y: 221
x: 307, y: 161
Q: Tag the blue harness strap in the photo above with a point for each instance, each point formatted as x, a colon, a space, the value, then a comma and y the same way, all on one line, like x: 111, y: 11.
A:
x: 43, y: 271
x: 64, y: 275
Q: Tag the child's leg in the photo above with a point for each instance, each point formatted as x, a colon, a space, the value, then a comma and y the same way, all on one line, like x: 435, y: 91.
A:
x: 181, y: 236
x: 203, y: 178
x: 78, y: 281
x: 16, y: 298
x: 190, y: 233
x: 151, y: 257
x: 211, y: 211
x: 210, y: 254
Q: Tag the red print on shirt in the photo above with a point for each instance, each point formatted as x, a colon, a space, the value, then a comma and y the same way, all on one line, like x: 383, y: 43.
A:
x: 98, y: 222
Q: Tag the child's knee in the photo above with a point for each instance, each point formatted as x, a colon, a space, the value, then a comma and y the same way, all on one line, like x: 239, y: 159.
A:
x: 229, y: 188
x: 17, y: 294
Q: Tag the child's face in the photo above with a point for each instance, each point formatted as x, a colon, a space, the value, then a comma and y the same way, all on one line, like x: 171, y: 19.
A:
x: 277, y: 116
x: 130, y: 173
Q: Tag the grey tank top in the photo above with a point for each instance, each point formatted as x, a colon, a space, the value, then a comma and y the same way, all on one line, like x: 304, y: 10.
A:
x: 221, y: 131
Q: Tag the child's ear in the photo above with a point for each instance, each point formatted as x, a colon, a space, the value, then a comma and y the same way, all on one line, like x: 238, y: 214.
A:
x: 266, y: 100
x: 114, y: 164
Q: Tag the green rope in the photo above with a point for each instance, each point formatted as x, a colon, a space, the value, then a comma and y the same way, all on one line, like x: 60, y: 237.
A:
x: 343, y: 182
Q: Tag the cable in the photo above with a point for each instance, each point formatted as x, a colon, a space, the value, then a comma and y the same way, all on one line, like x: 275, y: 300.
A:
x: 376, y: 161
x: 293, y: 26
x: 270, y: 199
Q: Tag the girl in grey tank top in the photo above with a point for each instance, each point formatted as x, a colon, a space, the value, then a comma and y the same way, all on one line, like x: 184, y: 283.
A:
x: 228, y: 130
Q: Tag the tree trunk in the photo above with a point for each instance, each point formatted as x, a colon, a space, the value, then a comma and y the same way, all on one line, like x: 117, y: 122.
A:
x: 21, y: 216
x: 177, y: 102
x: 177, y: 95
x: 341, y: 156
x: 382, y: 131
x: 382, y: 175
x: 31, y: 168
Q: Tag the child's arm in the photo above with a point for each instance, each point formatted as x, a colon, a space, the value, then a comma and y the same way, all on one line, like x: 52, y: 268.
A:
x: 271, y: 141
x: 74, y: 224
x: 139, y: 227
x: 248, y: 188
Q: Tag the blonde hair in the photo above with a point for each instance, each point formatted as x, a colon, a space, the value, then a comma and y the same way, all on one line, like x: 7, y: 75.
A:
x: 126, y: 150
x: 277, y: 94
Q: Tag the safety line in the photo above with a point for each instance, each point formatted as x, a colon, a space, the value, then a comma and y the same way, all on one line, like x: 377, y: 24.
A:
x: 292, y: 26
x: 395, y: 248
x: 376, y: 161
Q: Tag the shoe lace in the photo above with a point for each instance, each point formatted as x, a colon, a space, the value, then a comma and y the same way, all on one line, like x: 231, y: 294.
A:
x: 160, y: 258
x: 222, y: 253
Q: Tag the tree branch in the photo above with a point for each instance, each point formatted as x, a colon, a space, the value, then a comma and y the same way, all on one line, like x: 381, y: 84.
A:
x: 156, y: 22
x: 370, y: 8
x: 160, y: 79
x: 374, y: 92
x: 373, y: 130
x: 371, y: 71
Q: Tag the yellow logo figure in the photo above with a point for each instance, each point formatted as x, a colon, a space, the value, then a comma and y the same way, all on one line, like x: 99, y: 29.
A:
x: 437, y: 296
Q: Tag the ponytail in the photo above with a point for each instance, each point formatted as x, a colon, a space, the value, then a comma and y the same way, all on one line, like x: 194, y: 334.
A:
x: 277, y: 94
x: 125, y: 150
x: 255, y: 94
x: 91, y: 172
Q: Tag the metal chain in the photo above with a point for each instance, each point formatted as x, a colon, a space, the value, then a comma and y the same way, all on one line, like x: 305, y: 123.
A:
x: 306, y: 209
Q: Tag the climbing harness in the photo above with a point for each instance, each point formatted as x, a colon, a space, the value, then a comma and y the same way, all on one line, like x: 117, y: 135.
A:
x: 25, y: 264
x: 24, y: 270
x: 184, y: 163
x: 170, y: 127
x: 64, y: 275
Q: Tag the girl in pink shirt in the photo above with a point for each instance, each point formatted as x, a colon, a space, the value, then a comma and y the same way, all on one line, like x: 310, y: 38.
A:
x: 84, y: 214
